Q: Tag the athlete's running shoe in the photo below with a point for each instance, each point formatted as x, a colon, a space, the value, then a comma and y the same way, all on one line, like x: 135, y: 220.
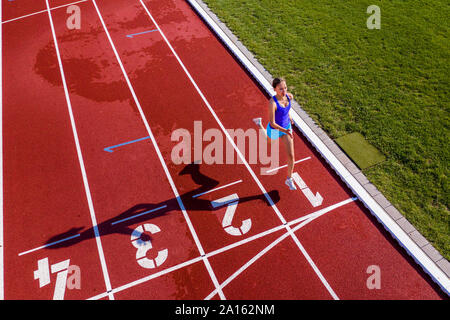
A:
x: 290, y: 183
x: 257, y: 121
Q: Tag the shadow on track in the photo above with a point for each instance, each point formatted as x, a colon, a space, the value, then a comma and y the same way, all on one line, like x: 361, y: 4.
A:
x: 112, y: 226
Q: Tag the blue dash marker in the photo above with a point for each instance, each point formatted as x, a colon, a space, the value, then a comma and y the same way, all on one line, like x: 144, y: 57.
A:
x: 135, y: 34
x: 109, y: 149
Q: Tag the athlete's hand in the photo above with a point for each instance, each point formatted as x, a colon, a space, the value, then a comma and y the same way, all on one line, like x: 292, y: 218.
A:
x: 289, y: 133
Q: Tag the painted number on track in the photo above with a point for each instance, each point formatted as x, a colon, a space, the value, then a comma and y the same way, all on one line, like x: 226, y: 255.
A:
x: 144, y: 246
x: 43, y: 274
x: 232, y: 201
x: 315, y: 200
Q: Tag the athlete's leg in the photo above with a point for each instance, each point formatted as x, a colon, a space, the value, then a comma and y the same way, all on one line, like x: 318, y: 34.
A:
x: 289, y: 143
x: 258, y: 122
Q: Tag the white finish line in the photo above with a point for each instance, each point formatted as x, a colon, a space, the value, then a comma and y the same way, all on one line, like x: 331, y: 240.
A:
x: 215, y: 189
x: 42, y: 11
x: 284, y: 166
x: 49, y: 245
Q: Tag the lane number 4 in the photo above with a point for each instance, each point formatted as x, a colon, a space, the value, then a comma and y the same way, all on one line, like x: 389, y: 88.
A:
x: 43, y: 274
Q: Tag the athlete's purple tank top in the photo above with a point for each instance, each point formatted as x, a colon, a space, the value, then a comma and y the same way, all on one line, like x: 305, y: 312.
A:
x: 282, y: 113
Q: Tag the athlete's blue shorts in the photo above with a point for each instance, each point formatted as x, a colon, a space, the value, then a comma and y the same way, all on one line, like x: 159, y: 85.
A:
x: 275, y: 133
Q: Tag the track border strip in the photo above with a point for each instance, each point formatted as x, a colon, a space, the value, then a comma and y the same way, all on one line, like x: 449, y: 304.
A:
x: 402, y: 237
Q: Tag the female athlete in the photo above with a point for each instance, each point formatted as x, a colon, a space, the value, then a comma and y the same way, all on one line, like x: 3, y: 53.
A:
x: 280, y: 124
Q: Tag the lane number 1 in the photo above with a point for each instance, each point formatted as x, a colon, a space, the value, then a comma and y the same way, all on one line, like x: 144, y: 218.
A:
x: 315, y: 200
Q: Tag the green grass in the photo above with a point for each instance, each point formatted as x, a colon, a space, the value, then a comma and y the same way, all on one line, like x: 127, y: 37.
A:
x: 391, y: 85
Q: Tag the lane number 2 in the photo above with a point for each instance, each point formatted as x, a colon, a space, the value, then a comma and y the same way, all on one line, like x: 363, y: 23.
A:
x: 144, y: 246
x: 231, y: 202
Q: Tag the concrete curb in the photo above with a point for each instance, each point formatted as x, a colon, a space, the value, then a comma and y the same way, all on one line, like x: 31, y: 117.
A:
x: 394, y: 222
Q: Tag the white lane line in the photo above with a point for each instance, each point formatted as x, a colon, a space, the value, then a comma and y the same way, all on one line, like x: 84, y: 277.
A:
x: 215, y: 189
x: 81, y: 161
x: 161, y: 159
x: 269, y: 199
x: 49, y: 245
x: 149, y: 277
x: 309, y: 217
x: 139, y: 214
x: 313, y: 265
x: 320, y: 212
x: 184, y: 264
x: 301, y: 160
x: 306, y: 219
x: 252, y: 173
x: 248, y: 264
x: 2, y: 286
x: 42, y: 11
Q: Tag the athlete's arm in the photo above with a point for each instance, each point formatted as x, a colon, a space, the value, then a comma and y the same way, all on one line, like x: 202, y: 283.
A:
x: 290, y: 97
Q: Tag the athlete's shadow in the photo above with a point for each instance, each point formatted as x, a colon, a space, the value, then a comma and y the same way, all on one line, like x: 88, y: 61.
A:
x: 139, y: 213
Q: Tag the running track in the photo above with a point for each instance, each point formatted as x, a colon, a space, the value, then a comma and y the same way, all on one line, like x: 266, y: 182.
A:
x: 89, y: 181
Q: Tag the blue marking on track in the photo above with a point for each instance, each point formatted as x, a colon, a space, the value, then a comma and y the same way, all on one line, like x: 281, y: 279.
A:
x: 109, y: 149
x: 135, y: 34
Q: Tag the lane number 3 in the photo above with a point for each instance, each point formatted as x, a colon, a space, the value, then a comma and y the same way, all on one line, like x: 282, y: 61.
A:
x: 144, y: 246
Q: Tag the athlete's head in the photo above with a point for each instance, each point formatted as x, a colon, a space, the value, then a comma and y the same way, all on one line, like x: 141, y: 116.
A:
x: 279, y: 85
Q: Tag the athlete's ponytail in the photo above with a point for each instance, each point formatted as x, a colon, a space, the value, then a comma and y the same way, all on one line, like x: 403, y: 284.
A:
x: 277, y: 81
